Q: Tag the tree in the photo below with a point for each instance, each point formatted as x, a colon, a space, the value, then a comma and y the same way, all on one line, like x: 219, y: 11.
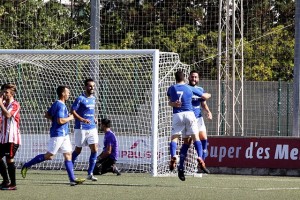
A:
x: 270, y: 61
x: 34, y: 24
x: 189, y: 28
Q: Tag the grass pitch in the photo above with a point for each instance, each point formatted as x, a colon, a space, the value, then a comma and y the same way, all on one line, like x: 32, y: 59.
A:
x: 52, y: 184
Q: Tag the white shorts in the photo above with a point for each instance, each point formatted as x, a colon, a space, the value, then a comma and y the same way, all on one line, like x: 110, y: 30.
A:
x: 85, y: 137
x: 201, y: 124
x: 185, y: 124
x: 59, y: 144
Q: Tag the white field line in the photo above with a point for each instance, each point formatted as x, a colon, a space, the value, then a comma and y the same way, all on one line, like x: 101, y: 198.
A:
x: 274, y: 189
x: 254, y: 189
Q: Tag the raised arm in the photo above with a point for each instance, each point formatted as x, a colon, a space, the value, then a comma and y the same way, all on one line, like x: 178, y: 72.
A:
x: 5, y: 112
x: 200, y: 93
x: 206, y: 96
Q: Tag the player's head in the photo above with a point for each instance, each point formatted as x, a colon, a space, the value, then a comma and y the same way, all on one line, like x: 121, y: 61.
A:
x: 105, y: 123
x: 63, y: 92
x: 9, y: 91
x: 179, y: 76
x: 89, y: 86
x: 194, y: 78
x: 2, y: 88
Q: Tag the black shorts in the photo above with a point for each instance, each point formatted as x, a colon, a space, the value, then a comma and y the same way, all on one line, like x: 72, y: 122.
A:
x: 104, y: 165
x: 8, y: 150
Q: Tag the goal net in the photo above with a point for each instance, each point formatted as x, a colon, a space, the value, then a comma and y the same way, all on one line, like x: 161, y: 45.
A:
x: 131, y: 90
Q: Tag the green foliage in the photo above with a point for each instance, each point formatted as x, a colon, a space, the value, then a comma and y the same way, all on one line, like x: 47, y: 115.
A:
x: 177, y: 26
x: 270, y: 61
x: 36, y: 25
x: 259, y: 72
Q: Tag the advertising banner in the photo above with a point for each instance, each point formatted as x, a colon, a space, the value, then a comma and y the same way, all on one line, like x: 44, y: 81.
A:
x: 236, y: 152
x: 132, y: 149
x: 253, y: 152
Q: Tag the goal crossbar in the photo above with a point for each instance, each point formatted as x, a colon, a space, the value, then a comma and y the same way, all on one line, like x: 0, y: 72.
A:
x: 131, y: 90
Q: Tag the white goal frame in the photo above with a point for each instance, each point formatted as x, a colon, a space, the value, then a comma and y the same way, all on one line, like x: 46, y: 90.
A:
x: 156, y: 81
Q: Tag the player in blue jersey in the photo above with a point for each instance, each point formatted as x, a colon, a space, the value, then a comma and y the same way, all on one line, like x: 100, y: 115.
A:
x: 59, y: 136
x: 85, y: 129
x: 184, y: 121
x: 106, y: 161
x: 200, y: 104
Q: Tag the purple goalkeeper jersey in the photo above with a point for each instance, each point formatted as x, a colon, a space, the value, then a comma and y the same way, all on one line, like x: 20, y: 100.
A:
x: 111, y: 140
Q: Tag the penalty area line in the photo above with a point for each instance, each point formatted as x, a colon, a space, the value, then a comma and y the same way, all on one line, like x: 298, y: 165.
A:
x: 243, y: 188
x: 274, y: 189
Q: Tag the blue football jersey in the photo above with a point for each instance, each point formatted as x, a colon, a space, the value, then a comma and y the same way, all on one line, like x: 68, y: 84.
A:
x: 183, y: 93
x: 58, y: 110
x: 85, y: 107
x: 196, y: 102
x: 111, y: 140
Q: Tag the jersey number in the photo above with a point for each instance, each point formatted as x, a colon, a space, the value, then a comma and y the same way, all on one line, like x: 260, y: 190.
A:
x: 180, y: 93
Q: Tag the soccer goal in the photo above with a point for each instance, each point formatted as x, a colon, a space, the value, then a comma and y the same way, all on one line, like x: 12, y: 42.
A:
x: 131, y: 90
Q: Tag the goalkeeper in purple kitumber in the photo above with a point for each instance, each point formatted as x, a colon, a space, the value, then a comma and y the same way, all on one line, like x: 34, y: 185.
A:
x: 106, y: 161
x: 184, y: 121
x: 85, y: 130
x: 199, y: 104
x: 59, y: 136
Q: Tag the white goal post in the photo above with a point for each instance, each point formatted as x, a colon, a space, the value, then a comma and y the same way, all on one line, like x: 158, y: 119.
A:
x: 131, y: 88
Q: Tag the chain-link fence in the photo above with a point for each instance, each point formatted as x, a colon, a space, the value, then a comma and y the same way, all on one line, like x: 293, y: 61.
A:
x: 190, y: 28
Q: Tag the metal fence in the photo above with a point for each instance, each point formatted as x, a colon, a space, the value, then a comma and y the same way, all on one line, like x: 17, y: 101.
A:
x: 267, y: 109
x: 189, y: 28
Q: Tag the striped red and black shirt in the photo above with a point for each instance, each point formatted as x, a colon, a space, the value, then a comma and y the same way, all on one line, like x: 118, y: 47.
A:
x: 10, y: 127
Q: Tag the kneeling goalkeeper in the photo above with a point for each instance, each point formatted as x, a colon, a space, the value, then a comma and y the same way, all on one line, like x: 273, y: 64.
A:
x: 106, y: 161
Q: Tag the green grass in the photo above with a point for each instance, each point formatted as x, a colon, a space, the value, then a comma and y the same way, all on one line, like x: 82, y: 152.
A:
x: 55, y: 185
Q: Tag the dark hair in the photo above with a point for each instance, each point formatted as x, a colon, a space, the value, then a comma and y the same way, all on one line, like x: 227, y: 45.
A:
x: 3, y: 86
x: 106, y: 122
x: 179, y: 76
x: 88, y: 80
x: 194, y: 71
x: 10, y: 86
x: 60, y: 89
